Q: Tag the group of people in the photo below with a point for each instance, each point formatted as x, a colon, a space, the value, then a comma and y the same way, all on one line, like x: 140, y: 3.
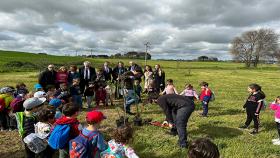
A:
x: 46, y: 118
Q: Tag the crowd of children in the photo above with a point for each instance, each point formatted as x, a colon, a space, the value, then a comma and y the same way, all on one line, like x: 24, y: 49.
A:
x: 46, y: 118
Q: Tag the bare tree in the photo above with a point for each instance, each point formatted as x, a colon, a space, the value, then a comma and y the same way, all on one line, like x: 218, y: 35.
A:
x: 252, y: 46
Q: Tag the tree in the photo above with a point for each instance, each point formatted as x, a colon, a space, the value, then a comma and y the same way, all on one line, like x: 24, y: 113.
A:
x: 251, y: 46
x: 203, y: 58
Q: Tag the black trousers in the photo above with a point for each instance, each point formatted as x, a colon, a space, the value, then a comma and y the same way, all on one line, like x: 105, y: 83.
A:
x: 3, y: 120
x: 278, y: 128
x: 181, y: 117
x: 251, y: 116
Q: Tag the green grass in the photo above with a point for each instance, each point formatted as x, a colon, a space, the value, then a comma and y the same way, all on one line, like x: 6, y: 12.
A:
x: 229, y: 81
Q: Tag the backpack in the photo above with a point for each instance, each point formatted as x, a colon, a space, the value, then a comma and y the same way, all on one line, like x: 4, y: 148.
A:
x: 2, y: 105
x: 20, y: 119
x: 17, y: 105
x: 212, y: 97
x: 59, y: 136
x: 34, y: 143
x: 264, y: 105
x: 82, y: 147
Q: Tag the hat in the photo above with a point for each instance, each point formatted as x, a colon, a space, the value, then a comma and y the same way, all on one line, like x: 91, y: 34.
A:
x: 33, y: 102
x: 40, y: 94
x: 55, y: 102
x: 37, y: 86
x: 6, y: 90
x: 95, y: 116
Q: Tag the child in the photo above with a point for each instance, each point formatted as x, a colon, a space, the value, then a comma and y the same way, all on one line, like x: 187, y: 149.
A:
x: 205, y: 97
x: 276, y: 107
x: 21, y: 90
x: 63, y: 93
x: 190, y: 92
x: 253, y: 106
x: 117, y: 146
x: 51, y: 92
x: 95, y: 138
x: 203, y: 148
x: 38, y: 87
x: 56, y: 105
x: 109, y: 95
x: 7, y: 96
x: 138, y: 89
x: 148, y: 75
x: 76, y: 93
x: 100, y: 94
x: 43, y: 129
x: 89, y: 93
x: 170, y: 88
x: 26, y: 120
x: 70, y: 112
x: 152, y: 92
x: 130, y: 98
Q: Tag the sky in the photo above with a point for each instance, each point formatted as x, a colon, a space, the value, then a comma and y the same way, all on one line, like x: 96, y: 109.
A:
x: 176, y: 29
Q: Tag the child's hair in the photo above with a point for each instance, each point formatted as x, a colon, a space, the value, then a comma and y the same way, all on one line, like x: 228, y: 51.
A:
x: 257, y: 88
x: 45, y: 114
x: 278, y: 97
x: 74, y: 67
x: 203, y: 148
x: 62, y: 67
x: 49, y: 87
x: 62, y: 85
x: 149, y: 68
x: 170, y: 81
x: 76, y: 80
x: 20, y: 85
x: 70, y: 109
x: 123, y: 134
x: 205, y: 84
x: 189, y: 86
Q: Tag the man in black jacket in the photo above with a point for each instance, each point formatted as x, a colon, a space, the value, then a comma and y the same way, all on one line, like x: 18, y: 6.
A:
x: 48, y: 77
x: 177, y: 109
x: 136, y: 70
x: 107, y: 71
x: 87, y: 74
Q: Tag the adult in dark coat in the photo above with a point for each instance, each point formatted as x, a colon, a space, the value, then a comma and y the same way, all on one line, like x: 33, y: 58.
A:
x: 117, y: 72
x: 87, y: 74
x: 136, y: 70
x: 107, y: 72
x: 48, y: 77
x: 177, y: 109
x: 159, y: 77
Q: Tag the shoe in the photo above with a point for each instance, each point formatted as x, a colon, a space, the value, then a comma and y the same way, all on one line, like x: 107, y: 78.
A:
x: 243, y: 127
x: 276, y: 142
x: 254, y: 132
x: 130, y: 113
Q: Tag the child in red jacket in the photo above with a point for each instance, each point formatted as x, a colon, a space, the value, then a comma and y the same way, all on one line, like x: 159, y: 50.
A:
x: 205, y: 97
x: 70, y: 112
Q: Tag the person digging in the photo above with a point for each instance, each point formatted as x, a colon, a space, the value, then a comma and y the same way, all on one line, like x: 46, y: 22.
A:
x: 178, y: 110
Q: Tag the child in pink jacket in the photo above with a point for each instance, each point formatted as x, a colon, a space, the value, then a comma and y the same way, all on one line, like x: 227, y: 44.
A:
x: 276, y: 107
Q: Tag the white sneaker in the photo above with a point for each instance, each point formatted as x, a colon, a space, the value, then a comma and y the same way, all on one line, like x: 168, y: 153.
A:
x: 276, y: 143
x: 275, y: 140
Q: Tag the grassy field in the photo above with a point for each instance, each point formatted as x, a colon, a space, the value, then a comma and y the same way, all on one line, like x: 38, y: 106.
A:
x: 229, y: 81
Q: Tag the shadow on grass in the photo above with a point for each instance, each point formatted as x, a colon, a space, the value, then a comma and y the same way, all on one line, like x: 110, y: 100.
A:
x: 225, y: 112
x: 213, y: 131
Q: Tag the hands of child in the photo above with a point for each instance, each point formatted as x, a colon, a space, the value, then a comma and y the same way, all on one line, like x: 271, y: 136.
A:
x: 256, y: 114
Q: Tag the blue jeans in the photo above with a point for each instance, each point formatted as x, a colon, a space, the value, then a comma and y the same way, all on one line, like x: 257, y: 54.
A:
x: 205, y: 108
x: 77, y: 100
x: 130, y: 99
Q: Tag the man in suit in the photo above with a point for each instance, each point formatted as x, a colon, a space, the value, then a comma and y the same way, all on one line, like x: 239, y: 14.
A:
x: 117, y: 72
x: 107, y: 71
x: 87, y: 74
x: 136, y: 70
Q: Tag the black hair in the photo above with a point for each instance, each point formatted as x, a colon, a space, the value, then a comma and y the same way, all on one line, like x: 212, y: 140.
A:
x: 70, y: 109
x: 257, y: 88
x: 203, y: 83
x: 20, y: 85
x: 203, y: 148
x: 45, y: 114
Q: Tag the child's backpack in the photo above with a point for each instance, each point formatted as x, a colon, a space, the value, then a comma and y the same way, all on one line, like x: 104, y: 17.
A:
x: 59, y: 136
x: 17, y: 105
x: 82, y: 147
x: 212, y: 97
x: 34, y: 143
x: 2, y: 105
x: 264, y: 105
